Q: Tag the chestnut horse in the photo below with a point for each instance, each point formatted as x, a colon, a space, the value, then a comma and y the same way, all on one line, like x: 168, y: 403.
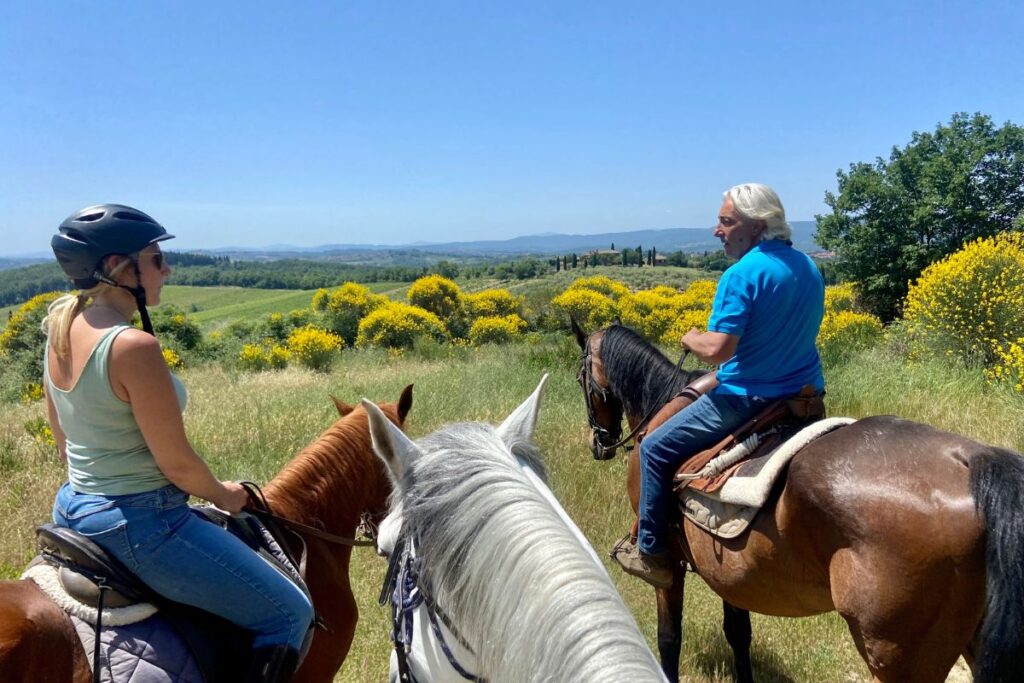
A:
x: 328, y: 485
x: 914, y: 535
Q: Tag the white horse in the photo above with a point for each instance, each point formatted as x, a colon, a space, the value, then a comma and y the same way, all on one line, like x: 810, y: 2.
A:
x: 516, y: 593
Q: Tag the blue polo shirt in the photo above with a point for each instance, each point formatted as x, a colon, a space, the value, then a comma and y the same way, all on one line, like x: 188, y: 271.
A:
x: 773, y: 299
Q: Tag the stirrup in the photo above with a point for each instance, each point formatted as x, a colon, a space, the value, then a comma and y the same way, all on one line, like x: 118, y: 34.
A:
x: 621, y: 545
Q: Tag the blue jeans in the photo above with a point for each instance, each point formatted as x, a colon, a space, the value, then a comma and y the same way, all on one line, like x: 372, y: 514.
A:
x: 700, y: 425
x: 187, y: 559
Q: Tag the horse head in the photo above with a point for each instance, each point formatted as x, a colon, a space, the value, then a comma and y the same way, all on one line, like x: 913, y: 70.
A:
x: 604, y: 409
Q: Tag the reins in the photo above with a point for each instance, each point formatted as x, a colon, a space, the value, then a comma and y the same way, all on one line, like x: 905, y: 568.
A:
x: 261, y: 509
x: 587, y: 371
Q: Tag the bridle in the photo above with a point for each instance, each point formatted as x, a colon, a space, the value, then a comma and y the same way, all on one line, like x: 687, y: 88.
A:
x: 403, y: 587
x: 586, y: 379
x: 602, y: 435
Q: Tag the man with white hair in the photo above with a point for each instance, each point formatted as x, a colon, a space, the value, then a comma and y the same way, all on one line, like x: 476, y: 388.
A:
x: 764, y: 322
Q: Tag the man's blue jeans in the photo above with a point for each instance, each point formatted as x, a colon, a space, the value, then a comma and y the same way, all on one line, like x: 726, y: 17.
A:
x: 700, y: 425
x: 187, y: 559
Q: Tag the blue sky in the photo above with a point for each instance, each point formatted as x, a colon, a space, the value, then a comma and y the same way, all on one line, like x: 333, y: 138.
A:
x: 261, y: 123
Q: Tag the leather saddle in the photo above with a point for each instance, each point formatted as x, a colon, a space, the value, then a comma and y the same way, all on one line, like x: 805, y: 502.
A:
x: 773, y: 425
x: 220, y: 648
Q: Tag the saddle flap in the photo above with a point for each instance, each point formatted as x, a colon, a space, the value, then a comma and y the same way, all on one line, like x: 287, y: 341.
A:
x: 79, y: 555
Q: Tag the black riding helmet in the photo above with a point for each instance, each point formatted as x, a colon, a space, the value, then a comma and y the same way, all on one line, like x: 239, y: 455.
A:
x: 88, y: 236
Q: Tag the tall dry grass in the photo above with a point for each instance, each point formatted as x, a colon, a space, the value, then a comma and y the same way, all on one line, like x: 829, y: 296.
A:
x: 248, y: 425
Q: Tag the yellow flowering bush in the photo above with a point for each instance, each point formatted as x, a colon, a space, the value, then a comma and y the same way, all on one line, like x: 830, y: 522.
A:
x: 436, y: 294
x: 1009, y: 365
x: 844, y: 331
x: 313, y: 347
x: 22, y: 332
x: 39, y: 430
x: 31, y: 392
x: 602, y: 284
x: 651, y: 312
x: 398, y: 325
x: 700, y: 294
x: 170, y: 322
x: 172, y: 359
x: 840, y: 298
x: 496, y: 330
x: 590, y: 309
x: 492, y: 303
x: 690, y: 318
x: 970, y: 305
x: 343, y: 308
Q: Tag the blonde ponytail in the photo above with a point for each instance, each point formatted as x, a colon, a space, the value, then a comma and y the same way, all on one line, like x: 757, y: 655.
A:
x: 61, y: 313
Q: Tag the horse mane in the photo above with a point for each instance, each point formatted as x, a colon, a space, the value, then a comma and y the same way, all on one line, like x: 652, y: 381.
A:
x: 637, y: 372
x: 333, y: 479
x: 511, y: 574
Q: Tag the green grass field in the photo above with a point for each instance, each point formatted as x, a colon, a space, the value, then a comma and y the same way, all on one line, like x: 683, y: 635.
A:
x: 248, y: 425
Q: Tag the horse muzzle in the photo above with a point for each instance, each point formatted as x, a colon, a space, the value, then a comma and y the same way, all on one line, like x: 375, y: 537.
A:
x: 598, y: 450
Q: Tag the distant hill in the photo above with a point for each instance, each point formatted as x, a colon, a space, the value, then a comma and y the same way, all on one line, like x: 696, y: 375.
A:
x: 8, y: 262
x: 689, y: 240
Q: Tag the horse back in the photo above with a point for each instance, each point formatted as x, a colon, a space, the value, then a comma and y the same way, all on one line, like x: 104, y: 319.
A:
x: 885, y: 481
x: 37, y: 640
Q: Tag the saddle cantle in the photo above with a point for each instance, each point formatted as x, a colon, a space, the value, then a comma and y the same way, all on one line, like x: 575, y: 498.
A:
x: 83, y: 567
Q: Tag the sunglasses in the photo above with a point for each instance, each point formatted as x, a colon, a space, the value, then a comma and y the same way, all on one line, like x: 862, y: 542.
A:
x: 158, y: 259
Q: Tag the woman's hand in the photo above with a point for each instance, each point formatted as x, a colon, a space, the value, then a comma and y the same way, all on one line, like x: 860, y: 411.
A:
x: 234, y: 497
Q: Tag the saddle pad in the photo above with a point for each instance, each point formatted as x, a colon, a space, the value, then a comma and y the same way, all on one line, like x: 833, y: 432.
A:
x: 753, y: 479
x: 148, y: 651
x: 45, y: 576
x: 724, y: 520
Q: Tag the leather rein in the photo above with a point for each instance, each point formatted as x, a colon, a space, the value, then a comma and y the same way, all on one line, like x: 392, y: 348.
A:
x: 260, y: 508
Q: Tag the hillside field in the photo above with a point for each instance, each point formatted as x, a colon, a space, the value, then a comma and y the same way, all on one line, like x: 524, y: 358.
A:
x: 248, y: 424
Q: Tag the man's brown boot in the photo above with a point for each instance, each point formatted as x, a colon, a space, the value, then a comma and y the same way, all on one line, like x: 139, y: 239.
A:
x: 654, y: 569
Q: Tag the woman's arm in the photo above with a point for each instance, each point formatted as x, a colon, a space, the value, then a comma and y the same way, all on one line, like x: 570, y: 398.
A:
x: 137, y: 364
x: 58, y: 433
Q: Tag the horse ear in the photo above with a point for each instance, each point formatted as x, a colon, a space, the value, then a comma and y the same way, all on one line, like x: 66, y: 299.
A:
x: 518, y: 427
x: 389, y: 442
x: 616, y: 321
x: 343, y: 408
x: 404, y: 403
x: 581, y: 337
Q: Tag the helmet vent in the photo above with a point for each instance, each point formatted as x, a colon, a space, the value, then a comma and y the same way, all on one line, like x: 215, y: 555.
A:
x: 130, y: 216
x: 90, y: 217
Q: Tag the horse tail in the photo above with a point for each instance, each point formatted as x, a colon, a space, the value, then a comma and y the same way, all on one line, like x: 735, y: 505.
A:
x: 997, y: 484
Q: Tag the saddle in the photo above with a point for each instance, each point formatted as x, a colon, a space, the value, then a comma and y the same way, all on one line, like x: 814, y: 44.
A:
x: 88, y: 575
x: 759, y: 435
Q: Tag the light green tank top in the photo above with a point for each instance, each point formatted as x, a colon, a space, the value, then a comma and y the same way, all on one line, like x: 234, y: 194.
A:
x: 106, y: 452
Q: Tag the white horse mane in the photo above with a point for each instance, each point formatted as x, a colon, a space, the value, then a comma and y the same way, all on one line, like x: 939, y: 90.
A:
x: 510, y: 573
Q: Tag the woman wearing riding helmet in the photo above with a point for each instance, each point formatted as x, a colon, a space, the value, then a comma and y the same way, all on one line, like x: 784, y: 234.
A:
x: 115, y: 411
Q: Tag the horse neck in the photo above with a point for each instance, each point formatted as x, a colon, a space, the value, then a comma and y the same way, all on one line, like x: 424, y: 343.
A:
x: 640, y: 388
x: 331, y: 482
x: 463, y: 529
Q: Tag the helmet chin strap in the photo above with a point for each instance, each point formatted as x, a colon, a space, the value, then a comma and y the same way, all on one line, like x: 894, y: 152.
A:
x: 139, y: 292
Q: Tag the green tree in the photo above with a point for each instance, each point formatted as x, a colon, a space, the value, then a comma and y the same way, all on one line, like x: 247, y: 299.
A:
x: 892, y: 218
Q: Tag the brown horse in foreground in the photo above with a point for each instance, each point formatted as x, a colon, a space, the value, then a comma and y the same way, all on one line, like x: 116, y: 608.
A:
x: 914, y: 535
x: 329, y: 485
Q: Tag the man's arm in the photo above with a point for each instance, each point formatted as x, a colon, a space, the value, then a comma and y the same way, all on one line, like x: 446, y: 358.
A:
x: 714, y: 348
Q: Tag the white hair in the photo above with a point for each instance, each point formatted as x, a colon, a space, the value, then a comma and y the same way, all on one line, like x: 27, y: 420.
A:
x: 509, y: 571
x: 761, y: 203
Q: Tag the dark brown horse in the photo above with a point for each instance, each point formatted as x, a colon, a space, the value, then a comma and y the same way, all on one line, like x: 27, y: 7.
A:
x: 914, y: 535
x: 329, y: 485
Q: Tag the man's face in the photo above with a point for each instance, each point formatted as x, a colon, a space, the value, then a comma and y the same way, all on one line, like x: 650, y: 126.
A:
x: 738, y: 233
